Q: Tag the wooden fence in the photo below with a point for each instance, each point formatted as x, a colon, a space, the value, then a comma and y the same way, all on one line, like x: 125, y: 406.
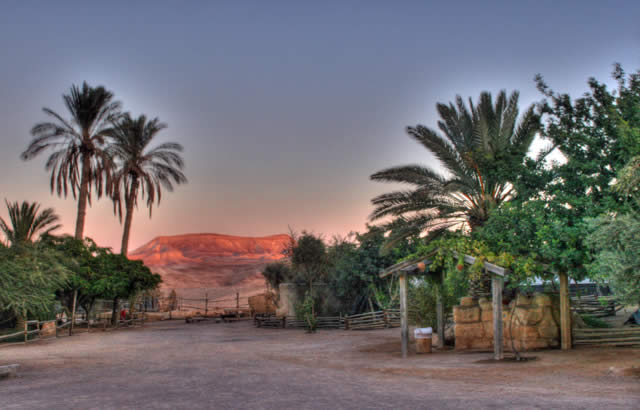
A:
x: 33, y: 329
x: 370, y: 320
x: 607, y: 336
x: 596, y: 306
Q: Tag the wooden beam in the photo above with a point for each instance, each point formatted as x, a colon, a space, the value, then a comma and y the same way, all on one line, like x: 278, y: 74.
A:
x: 565, y: 312
x: 496, y: 293
x: 439, y: 315
x: 404, y: 314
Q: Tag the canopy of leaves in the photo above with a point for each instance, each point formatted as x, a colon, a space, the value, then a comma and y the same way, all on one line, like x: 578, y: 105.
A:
x: 30, y: 274
x: 97, y: 273
x: 616, y: 242
x: 597, y: 134
x: 355, y: 267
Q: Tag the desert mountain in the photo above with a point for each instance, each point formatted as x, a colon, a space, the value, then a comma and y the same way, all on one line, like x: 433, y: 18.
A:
x: 222, y: 263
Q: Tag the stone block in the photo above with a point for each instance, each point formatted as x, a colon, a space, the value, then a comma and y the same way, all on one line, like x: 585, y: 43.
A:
x: 463, y: 314
x: 541, y: 299
x: 486, y: 315
x: 468, y: 301
x: 528, y: 316
x: 469, y: 331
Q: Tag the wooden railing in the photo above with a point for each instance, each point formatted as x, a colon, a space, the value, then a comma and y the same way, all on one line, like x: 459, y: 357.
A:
x: 35, y: 327
x: 596, y: 306
x: 607, y: 336
x: 370, y: 320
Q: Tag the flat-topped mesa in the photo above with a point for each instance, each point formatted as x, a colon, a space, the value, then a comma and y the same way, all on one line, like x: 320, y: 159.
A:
x: 202, y: 246
x: 210, y: 260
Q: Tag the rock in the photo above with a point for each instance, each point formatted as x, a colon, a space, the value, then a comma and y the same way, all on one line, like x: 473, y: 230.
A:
x: 541, y: 299
x: 462, y: 314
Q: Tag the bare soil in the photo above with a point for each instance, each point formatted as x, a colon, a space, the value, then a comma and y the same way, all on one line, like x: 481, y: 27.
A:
x: 234, y: 365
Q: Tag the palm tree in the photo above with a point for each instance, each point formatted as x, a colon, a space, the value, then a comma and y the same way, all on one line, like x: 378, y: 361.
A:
x: 479, y: 147
x: 141, y: 171
x: 78, y: 161
x: 26, y: 221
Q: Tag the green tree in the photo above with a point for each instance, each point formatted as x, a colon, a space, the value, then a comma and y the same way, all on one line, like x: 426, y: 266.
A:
x: 142, y: 171
x: 616, y: 243
x: 481, y: 148
x: 78, y: 161
x: 355, y: 265
x: 277, y: 272
x: 597, y: 134
x: 30, y: 274
x: 309, y: 261
x: 26, y: 221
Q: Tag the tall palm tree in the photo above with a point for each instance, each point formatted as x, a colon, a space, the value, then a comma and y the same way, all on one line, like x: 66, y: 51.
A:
x: 26, y: 221
x: 141, y: 171
x: 78, y: 161
x: 479, y: 148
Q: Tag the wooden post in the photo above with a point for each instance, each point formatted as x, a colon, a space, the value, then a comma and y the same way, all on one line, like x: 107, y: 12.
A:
x: 73, y: 312
x: 439, y: 316
x: 26, y: 328
x: 237, y: 304
x: 496, y: 293
x: 565, y: 312
x: 404, y: 314
x: 206, y: 304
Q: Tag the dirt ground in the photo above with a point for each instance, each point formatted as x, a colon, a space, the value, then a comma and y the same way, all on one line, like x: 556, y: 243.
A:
x: 175, y: 365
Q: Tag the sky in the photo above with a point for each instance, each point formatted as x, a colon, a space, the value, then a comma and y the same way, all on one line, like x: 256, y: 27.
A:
x: 285, y: 108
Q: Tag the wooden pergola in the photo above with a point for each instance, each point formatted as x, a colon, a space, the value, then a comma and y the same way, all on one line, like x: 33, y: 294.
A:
x: 420, y: 267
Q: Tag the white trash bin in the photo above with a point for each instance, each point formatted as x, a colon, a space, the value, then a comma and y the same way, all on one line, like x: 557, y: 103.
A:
x: 423, y: 339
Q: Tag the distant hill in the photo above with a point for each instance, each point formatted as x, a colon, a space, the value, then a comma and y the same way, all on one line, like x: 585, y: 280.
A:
x: 223, y: 263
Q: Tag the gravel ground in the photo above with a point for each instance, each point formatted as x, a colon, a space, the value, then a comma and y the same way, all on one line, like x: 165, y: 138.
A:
x: 227, y: 366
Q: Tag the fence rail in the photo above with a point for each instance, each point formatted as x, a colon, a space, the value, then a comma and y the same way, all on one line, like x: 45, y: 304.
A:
x: 607, y: 336
x: 137, y: 319
x: 596, y: 306
x: 370, y: 320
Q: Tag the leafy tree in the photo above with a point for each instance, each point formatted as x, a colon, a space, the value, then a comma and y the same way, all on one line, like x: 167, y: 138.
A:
x: 26, y: 221
x: 78, y: 161
x: 98, y: 273
x: 29, y: 276
x: 309, y: 259
x: 616, y: 242
x: 481, y: 147
x: 597, y: 134
x: 142, y: 171
x: 355, y: 265
x: 277, y: 272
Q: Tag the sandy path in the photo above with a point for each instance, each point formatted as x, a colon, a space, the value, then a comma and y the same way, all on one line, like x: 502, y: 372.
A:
x: 208, y: 365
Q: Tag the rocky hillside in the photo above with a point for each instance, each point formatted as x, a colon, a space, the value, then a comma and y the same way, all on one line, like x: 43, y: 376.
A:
x: 211, y: 261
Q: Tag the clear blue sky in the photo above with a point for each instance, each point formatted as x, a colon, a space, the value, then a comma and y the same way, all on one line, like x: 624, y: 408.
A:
x: 285, y: 107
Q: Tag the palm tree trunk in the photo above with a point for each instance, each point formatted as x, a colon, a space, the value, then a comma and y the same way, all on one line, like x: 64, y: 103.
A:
x: 130, y: 202
x: 83, y: 196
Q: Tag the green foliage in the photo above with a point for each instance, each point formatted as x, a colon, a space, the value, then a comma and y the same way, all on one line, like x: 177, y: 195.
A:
x: 29, y: 276
x: 309, y: 259
x: 594, y: 322
x: 26, y: 221
x: 597, y: 134
x: 97, y: 273
x: 616, y: 243
x: 481, y: 146
x: 355, y: 266
x: 276, y: 273
x: 306, y: 311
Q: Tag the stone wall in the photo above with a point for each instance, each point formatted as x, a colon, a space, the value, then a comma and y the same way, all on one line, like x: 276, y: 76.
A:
x: 535, y: 323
